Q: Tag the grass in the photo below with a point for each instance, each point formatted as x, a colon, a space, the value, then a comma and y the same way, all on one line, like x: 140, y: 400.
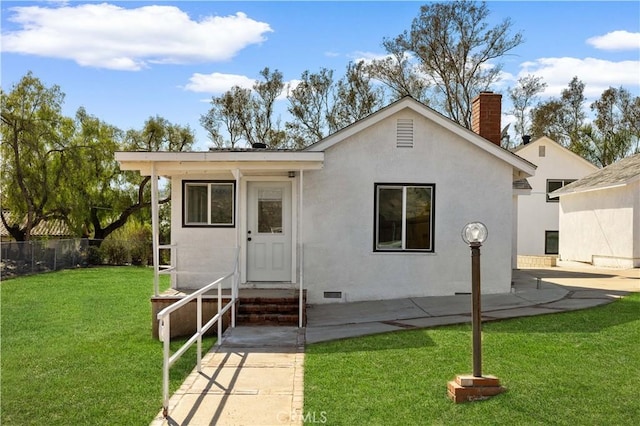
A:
x: 77, y: 349
x: 580, y: 367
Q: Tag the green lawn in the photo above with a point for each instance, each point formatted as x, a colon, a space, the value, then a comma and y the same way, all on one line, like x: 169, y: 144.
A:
x: 576, y: 368
x: 77, y: 349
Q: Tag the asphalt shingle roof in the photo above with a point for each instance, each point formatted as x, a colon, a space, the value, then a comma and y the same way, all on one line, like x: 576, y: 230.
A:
x: 620, y: 173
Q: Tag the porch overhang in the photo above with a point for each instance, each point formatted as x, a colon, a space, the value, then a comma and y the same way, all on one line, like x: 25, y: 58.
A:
x: 177, y: 163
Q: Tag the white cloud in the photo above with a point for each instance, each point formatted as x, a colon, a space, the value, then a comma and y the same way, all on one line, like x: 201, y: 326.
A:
x: 217, y: 83
x: 616, y: 40
x: 596, y: 74
x: 109, y: 36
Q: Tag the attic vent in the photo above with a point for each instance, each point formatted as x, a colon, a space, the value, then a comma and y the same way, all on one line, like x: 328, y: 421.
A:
x: 404, y: 133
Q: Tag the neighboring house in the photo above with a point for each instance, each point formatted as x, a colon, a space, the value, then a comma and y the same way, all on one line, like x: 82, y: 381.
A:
x: 374, y: 211
x: 54, y: 228
x: 600, y: 216
x: 537, y: 213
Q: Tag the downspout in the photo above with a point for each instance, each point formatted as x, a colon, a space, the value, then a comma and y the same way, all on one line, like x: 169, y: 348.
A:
x: 155, y: 230
x: 301, y: 239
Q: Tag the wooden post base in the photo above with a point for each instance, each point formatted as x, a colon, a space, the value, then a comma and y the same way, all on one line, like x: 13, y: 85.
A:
x: 467, y: 388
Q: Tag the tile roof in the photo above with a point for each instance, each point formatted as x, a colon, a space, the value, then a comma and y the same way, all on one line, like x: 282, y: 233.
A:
x: 49, y: 228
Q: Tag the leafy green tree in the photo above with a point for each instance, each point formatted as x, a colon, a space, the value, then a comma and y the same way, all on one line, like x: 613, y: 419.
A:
x: 35, y: 154
x: 458, y: 52
x: 128, y: 192
x: 55, y: 167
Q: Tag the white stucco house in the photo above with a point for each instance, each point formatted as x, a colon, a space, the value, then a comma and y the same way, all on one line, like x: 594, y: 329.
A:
x: 374, y: 211
x: 600, y: 216
x: 538, y: 223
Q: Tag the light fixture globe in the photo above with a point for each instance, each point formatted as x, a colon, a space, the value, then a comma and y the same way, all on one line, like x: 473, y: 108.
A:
x: 474, y: 233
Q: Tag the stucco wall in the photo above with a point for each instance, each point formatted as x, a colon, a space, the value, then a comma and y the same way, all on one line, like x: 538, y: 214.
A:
x: 203, y: 254
x: 535, y: 214
x: 339, y: 215
x: 601, y: 227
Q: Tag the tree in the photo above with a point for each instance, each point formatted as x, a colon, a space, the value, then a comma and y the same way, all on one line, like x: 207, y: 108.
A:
x: 247, y: 114
x: 457, y: 50
x: 128, y: 193
x: 55, y: 167
x: 561, y: 119
x: 523, y: 96
x: 355, y: 97
x: 611, y: 135
x: 310, y: 104
x: 35, y: 156
x: 398, y: 73
x: 226, y: 110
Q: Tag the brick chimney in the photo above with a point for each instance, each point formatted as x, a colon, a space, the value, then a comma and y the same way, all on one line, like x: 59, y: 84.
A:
x: 486, y: 112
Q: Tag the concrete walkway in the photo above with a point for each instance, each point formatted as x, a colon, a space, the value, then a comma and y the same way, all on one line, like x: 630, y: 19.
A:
x: 256, y: 376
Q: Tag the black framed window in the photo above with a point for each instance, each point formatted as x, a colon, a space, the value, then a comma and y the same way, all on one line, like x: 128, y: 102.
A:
x: 208, y: 203
x: 551, y: 240
x: 404, y: 217
x: 555, y: 184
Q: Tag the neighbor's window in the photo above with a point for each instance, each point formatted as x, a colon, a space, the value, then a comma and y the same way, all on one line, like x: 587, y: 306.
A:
x: 555, y: 184
x: 551, y: 242
x: 209, y: 203
x: 404, y: 217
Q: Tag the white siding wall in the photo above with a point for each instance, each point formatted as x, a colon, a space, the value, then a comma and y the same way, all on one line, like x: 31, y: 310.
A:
x: 602, y: 227
x: 535, y: 214
x: 339, y: 215
x: 204, y: 254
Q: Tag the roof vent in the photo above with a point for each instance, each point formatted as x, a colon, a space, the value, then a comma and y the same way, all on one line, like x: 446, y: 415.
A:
x: 259, y: 145
x: 404, y: 133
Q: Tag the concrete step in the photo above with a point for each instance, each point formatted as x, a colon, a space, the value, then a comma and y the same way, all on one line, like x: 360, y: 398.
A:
x: 253, y: 308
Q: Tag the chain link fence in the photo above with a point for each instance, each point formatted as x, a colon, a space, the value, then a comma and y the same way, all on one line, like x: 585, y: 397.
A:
x: 35, y: 256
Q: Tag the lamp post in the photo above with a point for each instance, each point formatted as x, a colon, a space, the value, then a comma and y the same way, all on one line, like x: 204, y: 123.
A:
x: 476, y: 386
x: 474, y: 234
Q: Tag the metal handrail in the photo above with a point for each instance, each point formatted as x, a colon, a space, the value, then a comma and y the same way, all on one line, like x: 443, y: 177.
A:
x: 164, y: 329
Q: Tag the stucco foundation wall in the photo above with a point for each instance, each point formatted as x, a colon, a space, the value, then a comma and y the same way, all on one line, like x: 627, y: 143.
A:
x: 471, y: 185
x: 203, y: 254
x: 601, y: 227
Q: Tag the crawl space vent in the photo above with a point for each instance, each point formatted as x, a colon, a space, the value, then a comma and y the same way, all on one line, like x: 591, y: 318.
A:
x: 404, y: 133
x: 333, y: 295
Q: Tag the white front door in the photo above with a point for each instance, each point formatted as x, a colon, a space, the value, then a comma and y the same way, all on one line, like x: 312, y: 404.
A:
x: 269, y: 236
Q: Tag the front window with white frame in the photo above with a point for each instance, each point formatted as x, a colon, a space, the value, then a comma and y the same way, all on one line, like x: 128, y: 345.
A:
x: 208, y: 203
x: 404, y: 217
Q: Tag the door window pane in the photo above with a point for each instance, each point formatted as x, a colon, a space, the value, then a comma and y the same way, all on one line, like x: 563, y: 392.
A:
x: 270, y: 211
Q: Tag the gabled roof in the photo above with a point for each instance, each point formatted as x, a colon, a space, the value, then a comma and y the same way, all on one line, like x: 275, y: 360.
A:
x: 551, y: 142
x: 617, y: 174
x: 519, y: 164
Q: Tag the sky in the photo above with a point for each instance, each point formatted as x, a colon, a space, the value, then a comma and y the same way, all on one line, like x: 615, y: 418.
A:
x: 127, y: 61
